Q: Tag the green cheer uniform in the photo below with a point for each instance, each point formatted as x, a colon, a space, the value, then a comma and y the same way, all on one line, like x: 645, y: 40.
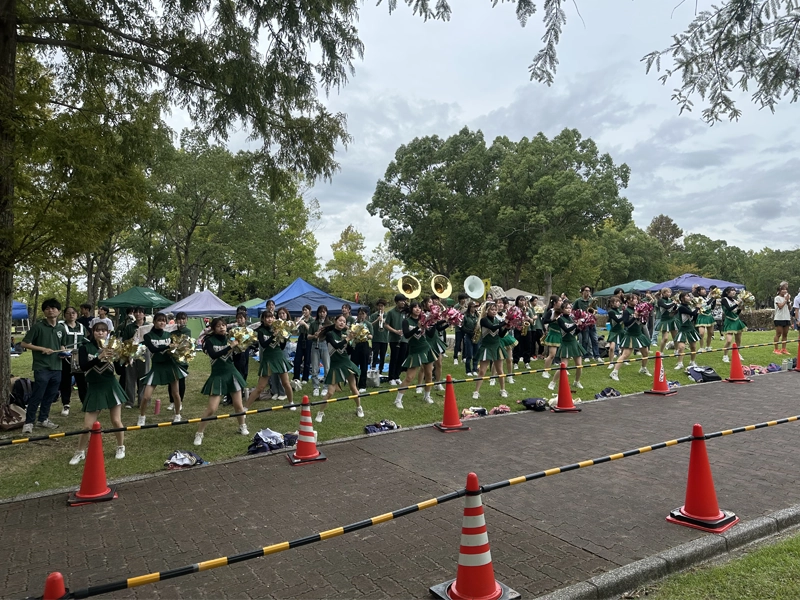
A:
x: 271, y: 359
x: 380, y: 335
x: 341, y: 365
x: 730, y: 314
x: 492, y: 331
x: 570, y: 346
x: 224, y: 379
x: 706, y: 317
x: 165, y: 368
x: 687, y: 332
x: 553, y: 337
x: 102, y: 388
x: 419, y: 350
x: 508, y: 340
x: 435, y: 342
x: 617, y: 326
x: 634, y: 336
x: 668, y: 311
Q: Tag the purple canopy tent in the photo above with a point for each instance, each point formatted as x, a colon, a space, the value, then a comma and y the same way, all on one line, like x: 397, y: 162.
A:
x: 685, y: 282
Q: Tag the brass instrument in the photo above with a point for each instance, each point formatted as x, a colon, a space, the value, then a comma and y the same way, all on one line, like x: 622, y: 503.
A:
x: 474, y: 287
x: 593, y: 304
x: 476, y: 335
x: 441, y: 286
x: 409, y: 286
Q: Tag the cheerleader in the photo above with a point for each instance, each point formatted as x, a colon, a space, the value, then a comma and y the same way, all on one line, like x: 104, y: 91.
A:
x: 492, y: 348
x: 419, y: 353
x: 687, y: 332
x: 633, y: 339
x: 276, y: 388
x: 732, y: 325
x: 570, y: 347
x: 102, y: 389
x: 342, y: 368
x: 271, y: 359
x: 438, y: 347
x: 705, y: 320
x: 224, y: 380
x: 667, y: 309
x: 508, y: 342
x: 617, y: 328
x: 553, y: 338
x: 164, y: 369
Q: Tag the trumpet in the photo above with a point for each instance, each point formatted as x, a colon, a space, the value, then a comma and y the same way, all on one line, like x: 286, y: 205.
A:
x: 409, y: 286
x: 441, y: 286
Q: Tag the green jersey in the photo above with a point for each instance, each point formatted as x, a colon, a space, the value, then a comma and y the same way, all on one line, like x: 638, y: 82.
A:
x: 44, y: 335
x: 394, y: 318
x: 379, y: 333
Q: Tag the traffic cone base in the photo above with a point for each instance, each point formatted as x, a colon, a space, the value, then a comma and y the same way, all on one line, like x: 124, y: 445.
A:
x: 94, y: 487
x: 660, y: 384
x: 443, y: 591
x: 54, y: 587
x: 450, y: 419
x: 565, y: 403
x: 727, y: 521
x: 737, y: 374
x: 306, y: 449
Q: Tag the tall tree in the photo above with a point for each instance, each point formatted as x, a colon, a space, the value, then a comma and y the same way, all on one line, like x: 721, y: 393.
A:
x: 667, y: 232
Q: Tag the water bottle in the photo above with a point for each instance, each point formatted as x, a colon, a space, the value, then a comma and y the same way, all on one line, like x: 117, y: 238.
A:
x: 157, y: 407
x: 785, y: 364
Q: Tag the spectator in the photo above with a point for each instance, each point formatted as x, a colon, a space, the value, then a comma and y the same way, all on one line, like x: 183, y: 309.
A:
x: 44, y: 340
x: 781, y: 319
x: 102, y: 318
x: 796, y: 306
x: 86, y: 315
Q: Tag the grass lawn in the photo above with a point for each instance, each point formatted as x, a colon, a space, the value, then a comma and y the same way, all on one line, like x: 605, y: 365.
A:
x: 768, y: 572
x: 38, y: 466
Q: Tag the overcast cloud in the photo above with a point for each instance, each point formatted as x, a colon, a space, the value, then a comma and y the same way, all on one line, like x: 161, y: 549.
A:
x: 734, y: 181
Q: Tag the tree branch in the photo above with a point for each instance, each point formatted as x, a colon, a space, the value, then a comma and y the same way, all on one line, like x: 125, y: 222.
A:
x: 89, y: 23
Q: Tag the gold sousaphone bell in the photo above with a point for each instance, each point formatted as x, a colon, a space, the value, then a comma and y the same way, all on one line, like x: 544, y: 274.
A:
x: 409, y: 286
x: 441, y: 286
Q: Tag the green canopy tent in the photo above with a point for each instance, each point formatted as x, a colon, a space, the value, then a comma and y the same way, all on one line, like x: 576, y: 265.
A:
x: 137, y: 296
x: 251, y: 303
x: 638, y: 285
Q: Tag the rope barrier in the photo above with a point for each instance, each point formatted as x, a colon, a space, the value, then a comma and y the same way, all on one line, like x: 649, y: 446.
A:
x: 11, y: 442
x: 337, y: 531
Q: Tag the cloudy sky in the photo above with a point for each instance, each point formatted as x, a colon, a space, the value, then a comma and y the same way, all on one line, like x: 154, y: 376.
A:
x: 734, y: 181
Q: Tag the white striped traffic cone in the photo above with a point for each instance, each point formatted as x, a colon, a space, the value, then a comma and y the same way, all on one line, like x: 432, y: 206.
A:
x: 475, y: 576
x: 306, y: 450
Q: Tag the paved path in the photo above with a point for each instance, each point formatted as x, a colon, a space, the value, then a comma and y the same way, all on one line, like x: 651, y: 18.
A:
x: 544, y: 534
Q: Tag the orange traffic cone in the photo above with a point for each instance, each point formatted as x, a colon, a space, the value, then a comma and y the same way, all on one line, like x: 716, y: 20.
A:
x: 565, y: 403
x: 450, y: 420
x: 475, y: 576
x: 54, y: 587
x: 306, y: 450
x: 660, y: 385
x: 737, y: 375
x: 700, y: 509
x: 93, y: 483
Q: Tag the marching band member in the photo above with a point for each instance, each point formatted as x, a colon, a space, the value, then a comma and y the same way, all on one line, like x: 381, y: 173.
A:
x: 634, y: 338
x: 687, y: 332
x: 461, y: 333
x: 165, y: 370
x: 302, y: 356
x: 398, y: 345
x: 732, y: 325
x: 419, y: 353
x: 492, y: 349
x: 361, y: 350
x: 180, y: 329
x: 522, y: 351
x: 570, y: 347
x: 380, y: 336
x: 319, y: 348
x: 588, y: 336
x: 342, y: 369
x: 470, y: 324
x: 74, y: 336
x: 553, y: 338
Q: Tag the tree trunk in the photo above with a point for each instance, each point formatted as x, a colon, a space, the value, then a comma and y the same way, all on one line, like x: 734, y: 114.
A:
x: 69, y: 291
x: 548, y: 284
x: 34, y: 310
x: 8, y: 58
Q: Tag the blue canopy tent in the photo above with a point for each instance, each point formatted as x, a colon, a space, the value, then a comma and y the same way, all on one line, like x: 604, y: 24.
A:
x: 299, y: 293
x: 19, y: 311
x: 685, y: 282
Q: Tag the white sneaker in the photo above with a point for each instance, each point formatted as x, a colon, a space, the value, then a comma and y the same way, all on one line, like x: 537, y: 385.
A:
x: 282, y: 397
x: 516, y: 366
x: 428, y: 399
x: 600, y: 361
x: 693, y: 364
x: 492, y: 381
x: 644, y: 371
x: 726, y: 359
x: 315, y: 392
x: 455, y: 361
x: 65, y: 411
x: 709, y: 348
x: 320, y: 416
x: 198, y: 439
x: 120, y: 453
x: 47, y: 424
x: 177, y: 418
x: 171, y: 406
x: 551, y: 385
x: 614, y: 375
x: 362, y: 391
x: 510, y: 379
x: 579, y: 385
x: 503, y: 394
x: 679, y: 366
x: 528, y: 366
x: 292, y: 406
x: 141, y: 420
x: 419, y: 390
x: 360, y: 412
x: 77, y: 457
x: 701, y: 350
x: 611, y: 365
x: 27, y: 428
x: 545, y: 374
x: 438, y: 387
x: 324, y: 392
x: 398, y: 403
x: 476, y: 395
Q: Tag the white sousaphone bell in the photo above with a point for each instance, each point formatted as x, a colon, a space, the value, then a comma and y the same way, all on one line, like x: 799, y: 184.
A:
x: 473, y: 286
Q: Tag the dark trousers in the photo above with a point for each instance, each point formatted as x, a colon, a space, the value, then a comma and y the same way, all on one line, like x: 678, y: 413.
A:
x: 181, y: 390
x: 471, y: 350
x: 398, y: 353
x: 523, y: 348
x: 459, y: 343
x: 537, y: 348
x: 43, y: 393
x: 379, y: 354
x: 302, y: 361
x: 66, y: 384
x: 361, y: 359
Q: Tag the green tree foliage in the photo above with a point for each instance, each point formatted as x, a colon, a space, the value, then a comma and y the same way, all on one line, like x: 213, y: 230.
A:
x: 667, y: 232
x: 351, y: 273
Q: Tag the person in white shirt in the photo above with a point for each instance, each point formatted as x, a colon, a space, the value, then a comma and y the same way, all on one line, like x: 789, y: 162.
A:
x: 796, y: 306
x: 103, y: 318
x: 781, y: 319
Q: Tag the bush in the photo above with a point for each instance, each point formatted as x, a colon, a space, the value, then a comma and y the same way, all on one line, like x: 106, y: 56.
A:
x: 758, y: 319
